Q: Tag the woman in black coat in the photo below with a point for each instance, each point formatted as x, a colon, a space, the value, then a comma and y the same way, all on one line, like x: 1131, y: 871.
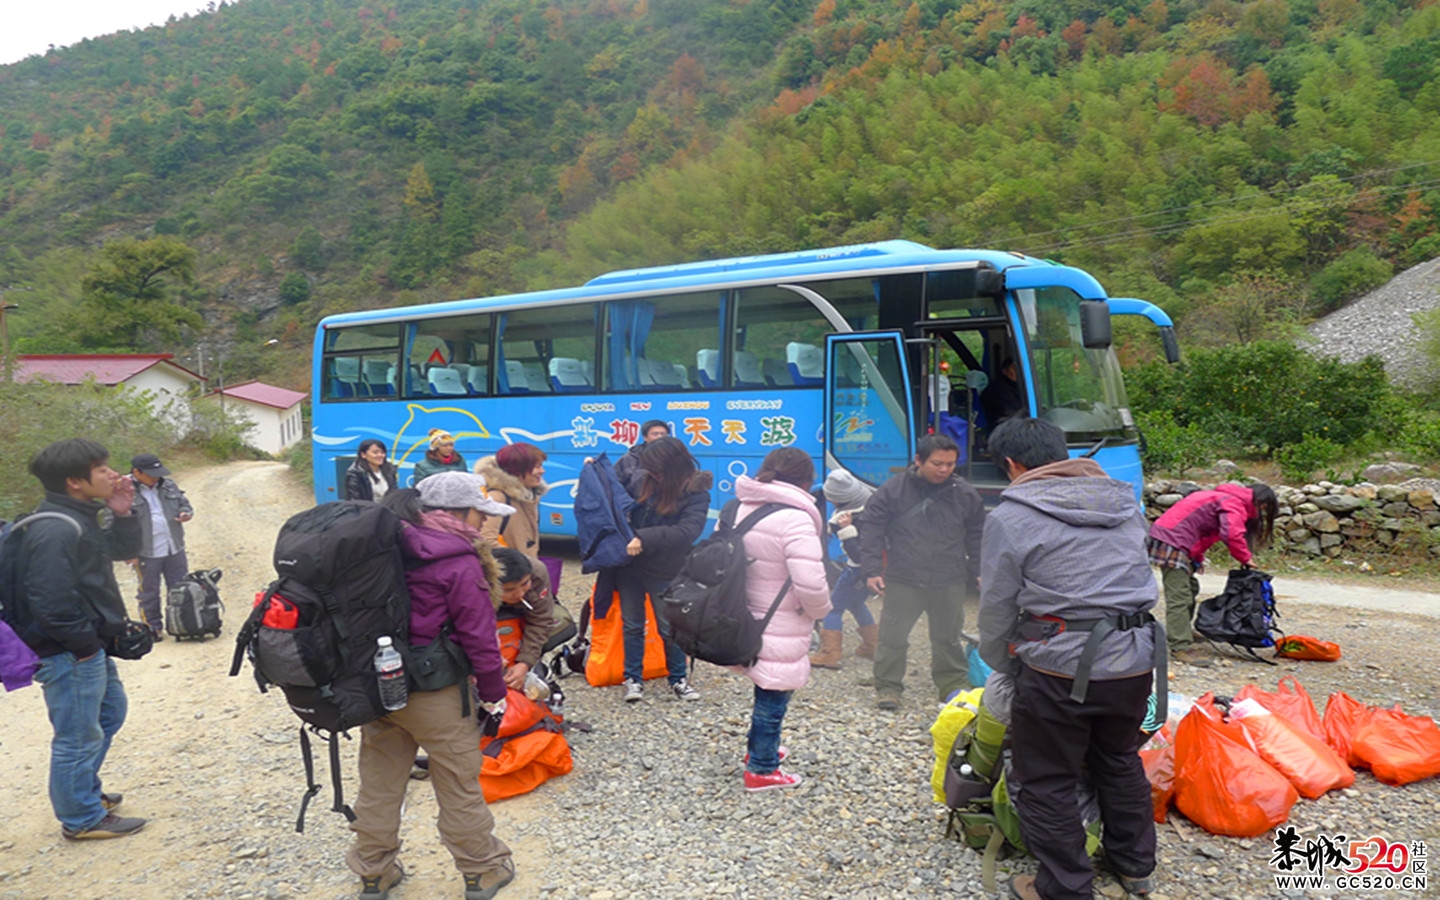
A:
x: 371, y: 476
x: 671, y: 506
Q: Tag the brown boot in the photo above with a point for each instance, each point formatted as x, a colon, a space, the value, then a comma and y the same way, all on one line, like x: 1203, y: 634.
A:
x: 869, y: 640
x: 831, y: 649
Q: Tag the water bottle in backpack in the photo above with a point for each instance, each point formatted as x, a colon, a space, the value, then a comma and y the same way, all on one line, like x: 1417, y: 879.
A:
x: 390, y: 669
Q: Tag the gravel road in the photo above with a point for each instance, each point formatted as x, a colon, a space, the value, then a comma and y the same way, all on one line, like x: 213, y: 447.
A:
x: 654, y: 807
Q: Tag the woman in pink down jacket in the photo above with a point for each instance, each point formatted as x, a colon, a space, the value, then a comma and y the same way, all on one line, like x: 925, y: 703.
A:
x: 1243, y: 517
x: 784, y: 544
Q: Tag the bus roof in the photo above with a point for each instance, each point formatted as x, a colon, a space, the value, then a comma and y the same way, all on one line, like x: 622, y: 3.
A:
x: 857, y: 258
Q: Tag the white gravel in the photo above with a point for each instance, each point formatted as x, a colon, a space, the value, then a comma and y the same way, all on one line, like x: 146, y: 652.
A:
x: 1382, y: 323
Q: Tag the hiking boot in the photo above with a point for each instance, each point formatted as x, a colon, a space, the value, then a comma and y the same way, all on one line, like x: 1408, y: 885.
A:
x: 483, y: 887
x: 1138, y: 887
x: 769, y: 781
x: 684, y: 691
x: 832, y: 648
x: 1023, y: 887
x: 784, y: 752
x: 634, y: 691
x: 887, y: 701
x: 111, y: 801
x: 1199, y: 657
x: 378, y: 888
x: 869, y: 640
x: 112, y: 826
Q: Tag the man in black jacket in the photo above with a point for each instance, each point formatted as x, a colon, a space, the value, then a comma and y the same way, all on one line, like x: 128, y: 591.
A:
x: 67, y: 608
x: 920, y: 548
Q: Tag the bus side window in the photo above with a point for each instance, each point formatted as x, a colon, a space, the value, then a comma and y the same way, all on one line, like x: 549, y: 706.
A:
x: 778, y: 340
x: 650, y: 345
x: 545, y: 350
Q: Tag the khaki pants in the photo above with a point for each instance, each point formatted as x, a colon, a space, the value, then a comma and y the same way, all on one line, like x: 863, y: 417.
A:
x: 431, y: 720
x: 944, y: 609
x: 1181, y: 589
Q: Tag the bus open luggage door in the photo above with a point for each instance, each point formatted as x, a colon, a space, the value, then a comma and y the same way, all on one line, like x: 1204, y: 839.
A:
x: 869, y: 414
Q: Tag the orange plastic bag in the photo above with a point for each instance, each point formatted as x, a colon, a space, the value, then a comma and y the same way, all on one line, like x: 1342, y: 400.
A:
x: 1159, y: 760
x: 1221, y: 784
x: 1302, y: 646
x: 528, y: 751
x: 1398, y: 748
x: 1289, y: 699
x: 605, y: 663
x: 1343, y: 715
x: 1307, y: 761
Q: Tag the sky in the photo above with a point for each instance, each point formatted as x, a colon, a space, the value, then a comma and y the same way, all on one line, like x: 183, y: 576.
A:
x: 31, y: 26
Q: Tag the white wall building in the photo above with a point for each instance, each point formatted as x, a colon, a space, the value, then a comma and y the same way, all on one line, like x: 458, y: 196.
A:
x: 275, y: 412
x: 168, y: 384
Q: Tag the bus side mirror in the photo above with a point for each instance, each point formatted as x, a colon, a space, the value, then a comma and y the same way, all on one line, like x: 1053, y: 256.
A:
x: 1172, y: 346
x: 1095, y: 324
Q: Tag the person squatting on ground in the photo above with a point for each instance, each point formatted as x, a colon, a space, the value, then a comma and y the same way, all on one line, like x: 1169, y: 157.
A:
x: 920, y: 549
x: 67, y: 607
x: 669, y: 514
x: 440, y: 457
x: 1243, y: 517
x: 515, y: 476
x: 848, y: 495
x: 523, y: 592
x: 445, y: 574
x: 783, y: 545
x: 371, y: 476
x: 627, y: 467
x: 163, y: 510
x: 1065, y: 546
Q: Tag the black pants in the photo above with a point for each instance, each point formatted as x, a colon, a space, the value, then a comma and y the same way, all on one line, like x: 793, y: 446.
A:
x: 1051, y: 737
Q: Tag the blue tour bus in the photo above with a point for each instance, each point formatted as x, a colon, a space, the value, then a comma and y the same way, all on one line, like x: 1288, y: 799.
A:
x: 847, y: 352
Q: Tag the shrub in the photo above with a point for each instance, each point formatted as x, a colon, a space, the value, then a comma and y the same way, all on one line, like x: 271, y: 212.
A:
x: 1422, y: 437
x: 1300, y: 460
x: 294, y: 288
x: 220, y: 435
x: 1170, y: 446
x: 1351, y: 275
x: 301, y: 459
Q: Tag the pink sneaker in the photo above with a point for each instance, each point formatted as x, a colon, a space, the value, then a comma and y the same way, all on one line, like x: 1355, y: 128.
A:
x: 771, y: 780
x: 784, y: 752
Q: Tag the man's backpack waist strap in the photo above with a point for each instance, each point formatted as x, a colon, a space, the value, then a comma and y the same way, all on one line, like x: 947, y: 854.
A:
x: 1040, y: 628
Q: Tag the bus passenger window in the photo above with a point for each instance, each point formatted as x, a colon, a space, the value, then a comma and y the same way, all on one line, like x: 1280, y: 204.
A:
x: 650, y: 345
x: 545, y: 350
x: 359, y: 361
x: 778, y: 339
x: 448, y: 357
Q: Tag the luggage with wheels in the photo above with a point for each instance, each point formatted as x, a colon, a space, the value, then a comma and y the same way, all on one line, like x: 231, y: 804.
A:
x: 193, y: 607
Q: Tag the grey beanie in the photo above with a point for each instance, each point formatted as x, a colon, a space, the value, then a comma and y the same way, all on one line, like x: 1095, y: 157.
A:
x: 845, y: 490
x: 459, y: 490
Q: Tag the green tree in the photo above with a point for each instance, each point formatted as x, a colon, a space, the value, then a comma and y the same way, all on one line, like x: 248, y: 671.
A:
x: 125, y: 299
x: 294, y: 288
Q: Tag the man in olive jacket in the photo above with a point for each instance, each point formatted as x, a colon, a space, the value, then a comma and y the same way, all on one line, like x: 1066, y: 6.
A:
x: 920, y: 548
x: 67, y: 607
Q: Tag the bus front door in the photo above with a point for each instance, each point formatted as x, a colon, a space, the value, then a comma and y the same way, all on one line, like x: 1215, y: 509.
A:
x: 869, y: 417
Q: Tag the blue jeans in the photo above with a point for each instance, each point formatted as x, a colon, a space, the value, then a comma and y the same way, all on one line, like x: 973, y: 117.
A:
x: 632, y: 589
x: 850, y: 592
x: 765, y: 720
x: 87, y: 706
x: 173, y: 567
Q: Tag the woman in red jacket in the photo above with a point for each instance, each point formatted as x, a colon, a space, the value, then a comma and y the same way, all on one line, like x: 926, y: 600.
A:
x: 1240, y: 515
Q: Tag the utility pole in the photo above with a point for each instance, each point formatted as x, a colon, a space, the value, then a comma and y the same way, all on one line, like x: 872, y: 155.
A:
x: 5, y: 338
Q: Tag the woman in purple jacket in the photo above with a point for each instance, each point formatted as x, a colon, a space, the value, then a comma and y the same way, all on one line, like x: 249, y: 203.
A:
x: 1240, y: 515
x: 447, y: 578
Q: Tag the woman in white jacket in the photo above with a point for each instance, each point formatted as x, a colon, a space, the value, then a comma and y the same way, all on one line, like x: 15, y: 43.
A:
x: 784, y: 545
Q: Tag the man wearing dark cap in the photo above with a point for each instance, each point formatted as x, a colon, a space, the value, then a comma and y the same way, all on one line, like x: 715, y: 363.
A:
x: 162, y: 509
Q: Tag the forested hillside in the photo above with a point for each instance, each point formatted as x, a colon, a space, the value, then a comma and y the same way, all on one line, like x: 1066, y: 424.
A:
x: 1242, y: 163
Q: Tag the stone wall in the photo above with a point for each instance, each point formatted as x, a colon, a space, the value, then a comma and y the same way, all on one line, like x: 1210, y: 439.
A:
x: 1324, y: 519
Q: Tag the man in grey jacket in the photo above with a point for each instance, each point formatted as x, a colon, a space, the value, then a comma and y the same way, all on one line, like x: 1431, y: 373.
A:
x: 1065, y: 593
x: 163, y: 511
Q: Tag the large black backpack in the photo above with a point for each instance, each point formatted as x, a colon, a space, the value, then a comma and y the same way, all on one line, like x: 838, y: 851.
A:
x: 342, y: 581
x: 1244, y: 615
x: 706, y: 604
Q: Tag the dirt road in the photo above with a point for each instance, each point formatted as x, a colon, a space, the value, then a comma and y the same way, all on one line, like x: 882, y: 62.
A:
x: 213, y: 764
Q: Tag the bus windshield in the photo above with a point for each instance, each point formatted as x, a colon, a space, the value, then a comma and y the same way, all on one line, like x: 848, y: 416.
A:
x: 1080, y: 390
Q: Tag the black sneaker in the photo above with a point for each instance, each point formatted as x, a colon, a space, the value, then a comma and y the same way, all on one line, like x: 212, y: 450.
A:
x: 112, y: 826
x: 111, y: 801
x: 378, y: 888
x: 475, y: 885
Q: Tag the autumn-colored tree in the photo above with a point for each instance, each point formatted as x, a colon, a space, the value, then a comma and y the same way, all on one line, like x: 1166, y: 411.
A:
x: 824, y: 13
x: 420, y: 194
x: 1074, y: 36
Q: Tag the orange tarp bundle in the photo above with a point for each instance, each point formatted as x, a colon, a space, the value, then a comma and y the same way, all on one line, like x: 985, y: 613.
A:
x: 528, y: 751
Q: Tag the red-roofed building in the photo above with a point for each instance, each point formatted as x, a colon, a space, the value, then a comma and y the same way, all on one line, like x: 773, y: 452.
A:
x: 169, y: 384
x: 275, y: 412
